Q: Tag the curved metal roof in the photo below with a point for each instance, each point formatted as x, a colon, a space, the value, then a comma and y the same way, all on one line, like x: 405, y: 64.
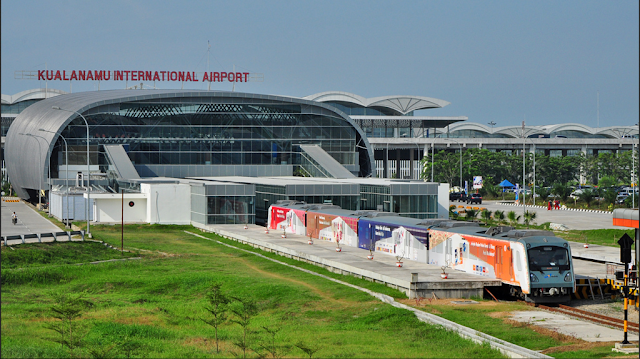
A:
x: 33, y: 94
x: 400, y: 104
x: 516, y: 131
x: 26, y: 160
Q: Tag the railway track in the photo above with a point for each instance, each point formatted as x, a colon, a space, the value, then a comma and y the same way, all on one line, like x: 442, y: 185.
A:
x: 593, y: 317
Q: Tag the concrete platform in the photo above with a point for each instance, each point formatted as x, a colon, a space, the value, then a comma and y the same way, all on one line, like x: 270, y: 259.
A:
x: 603, y: 254
x: 576, y: 328
x: 353, y: 261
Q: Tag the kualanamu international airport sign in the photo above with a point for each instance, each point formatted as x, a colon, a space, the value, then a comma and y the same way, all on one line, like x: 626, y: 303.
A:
x: 124, y: 75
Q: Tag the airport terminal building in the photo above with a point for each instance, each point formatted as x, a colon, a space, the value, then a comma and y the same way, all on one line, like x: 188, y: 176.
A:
x: 228, y: 155
x: 201, y: 139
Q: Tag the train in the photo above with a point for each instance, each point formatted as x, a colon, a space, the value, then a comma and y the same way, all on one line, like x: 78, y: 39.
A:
x: 533, y: 265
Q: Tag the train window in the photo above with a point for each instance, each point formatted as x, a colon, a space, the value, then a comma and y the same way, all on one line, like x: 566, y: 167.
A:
x: 540, y: 257
x: 518, y: 263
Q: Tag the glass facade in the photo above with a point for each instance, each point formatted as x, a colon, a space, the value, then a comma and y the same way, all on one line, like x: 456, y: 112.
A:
x: 241, y: 131
x: 379, y: 198
x: 225, y: 206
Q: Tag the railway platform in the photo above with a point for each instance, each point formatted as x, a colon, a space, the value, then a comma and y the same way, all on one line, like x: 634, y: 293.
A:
x: 413, y: 278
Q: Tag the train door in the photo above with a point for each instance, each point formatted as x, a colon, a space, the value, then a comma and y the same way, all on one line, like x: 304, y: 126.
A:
x: 497, y: 266
x: 448, y: 251
x: 520, y: 268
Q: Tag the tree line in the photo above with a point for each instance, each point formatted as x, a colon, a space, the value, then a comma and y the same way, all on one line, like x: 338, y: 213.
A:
x: 497, y: 166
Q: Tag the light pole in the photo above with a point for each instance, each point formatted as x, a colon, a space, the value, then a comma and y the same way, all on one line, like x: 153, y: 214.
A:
x: 524, y: 185
x: 40, y: 177
x: 491, y: 124
x: 66, y: 176
x: 88, y: 168
x: 460, y: 147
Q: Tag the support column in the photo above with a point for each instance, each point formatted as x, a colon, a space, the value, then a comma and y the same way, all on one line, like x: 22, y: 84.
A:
x: 385, y: 162
x: 398, y: 174
x: 411, y: 159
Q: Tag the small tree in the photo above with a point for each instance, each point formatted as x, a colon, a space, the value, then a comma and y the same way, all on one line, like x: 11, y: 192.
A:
x: 244, y: 310
x: 486, y: 215
x: 529, y: 217
x: 67, y: 309
x: 308, y: 349
x: 561, y: 191
x: 499, y: 216
x: 471, y: 214
x: 513, y: 218
x: 269, y: 344
x: 217, y: 307
x: 587, y: 197
x: 544, y: 194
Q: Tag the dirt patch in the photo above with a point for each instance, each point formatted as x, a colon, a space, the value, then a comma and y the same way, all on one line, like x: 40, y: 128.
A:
x: 209, y: 345
x: 322, y: 294
x: 422, y: 302
x: 579, y: 346
x: 499, y: 314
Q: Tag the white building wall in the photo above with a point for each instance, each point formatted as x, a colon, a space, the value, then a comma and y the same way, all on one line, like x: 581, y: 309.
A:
x: 443, y: 200
x: 108, y: 208
x: 168, y: 203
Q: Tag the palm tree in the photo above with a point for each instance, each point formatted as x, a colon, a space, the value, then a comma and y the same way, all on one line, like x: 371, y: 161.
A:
x: 486, y: 214
x: 471, y: 214
x: 499, y: 216
x: 513, y: 218
x: 529, y: 217
x: 587, y: 196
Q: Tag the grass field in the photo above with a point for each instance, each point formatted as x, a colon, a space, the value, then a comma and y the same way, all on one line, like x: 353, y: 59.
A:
x: 155, y: 305
x: 158, y: 302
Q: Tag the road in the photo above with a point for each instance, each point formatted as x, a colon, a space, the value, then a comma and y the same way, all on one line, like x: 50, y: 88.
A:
x: 571, y: 219
x: 29, y: 221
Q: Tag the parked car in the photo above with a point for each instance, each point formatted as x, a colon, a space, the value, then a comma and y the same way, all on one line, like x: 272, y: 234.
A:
x: 455, y: 196
x: 621, y: 198
x: 475, y: 198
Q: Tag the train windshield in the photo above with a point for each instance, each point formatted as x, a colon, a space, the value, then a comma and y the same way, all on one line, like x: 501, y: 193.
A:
x: 548, y: 258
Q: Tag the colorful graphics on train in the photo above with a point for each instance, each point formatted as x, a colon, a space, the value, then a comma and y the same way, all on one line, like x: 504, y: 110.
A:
x: 488, y: 257
x: 288, y: 219
x: 333, y: 227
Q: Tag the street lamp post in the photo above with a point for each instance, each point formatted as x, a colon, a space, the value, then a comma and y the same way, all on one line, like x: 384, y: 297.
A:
x: 66, y: 177
x: 40, y: 177
x: 88, y: 168
x: 524, y: 185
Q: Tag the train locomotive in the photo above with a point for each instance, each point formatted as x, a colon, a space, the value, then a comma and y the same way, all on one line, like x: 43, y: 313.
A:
x: 533, y: 265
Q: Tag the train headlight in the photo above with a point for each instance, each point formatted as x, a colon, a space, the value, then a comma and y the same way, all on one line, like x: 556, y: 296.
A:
x: 567, y: 277
x: 534, y: 278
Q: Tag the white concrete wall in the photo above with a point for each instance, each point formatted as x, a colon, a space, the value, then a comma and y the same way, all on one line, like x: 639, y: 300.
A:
x: 443, y: 200
x: 168, y: 203
x: 108, y: 208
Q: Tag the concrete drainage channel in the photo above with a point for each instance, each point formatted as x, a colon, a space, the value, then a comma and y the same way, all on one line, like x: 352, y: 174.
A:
x: 508, y: 349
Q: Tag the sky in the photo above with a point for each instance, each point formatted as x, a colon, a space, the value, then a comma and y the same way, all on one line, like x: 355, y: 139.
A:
x: 543, y: 62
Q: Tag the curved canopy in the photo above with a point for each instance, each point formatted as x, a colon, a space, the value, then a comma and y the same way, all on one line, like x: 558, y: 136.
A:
x: 400, y: 104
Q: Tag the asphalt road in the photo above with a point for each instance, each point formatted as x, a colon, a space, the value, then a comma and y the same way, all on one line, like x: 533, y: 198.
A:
x: 571, y: 219
x: 29, y: 221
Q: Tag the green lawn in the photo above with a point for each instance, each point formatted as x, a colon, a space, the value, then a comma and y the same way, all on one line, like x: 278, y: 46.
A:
x: 156, y: 303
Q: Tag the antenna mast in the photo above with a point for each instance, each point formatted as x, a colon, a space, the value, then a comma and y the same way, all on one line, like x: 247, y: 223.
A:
x: 208, y: 50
